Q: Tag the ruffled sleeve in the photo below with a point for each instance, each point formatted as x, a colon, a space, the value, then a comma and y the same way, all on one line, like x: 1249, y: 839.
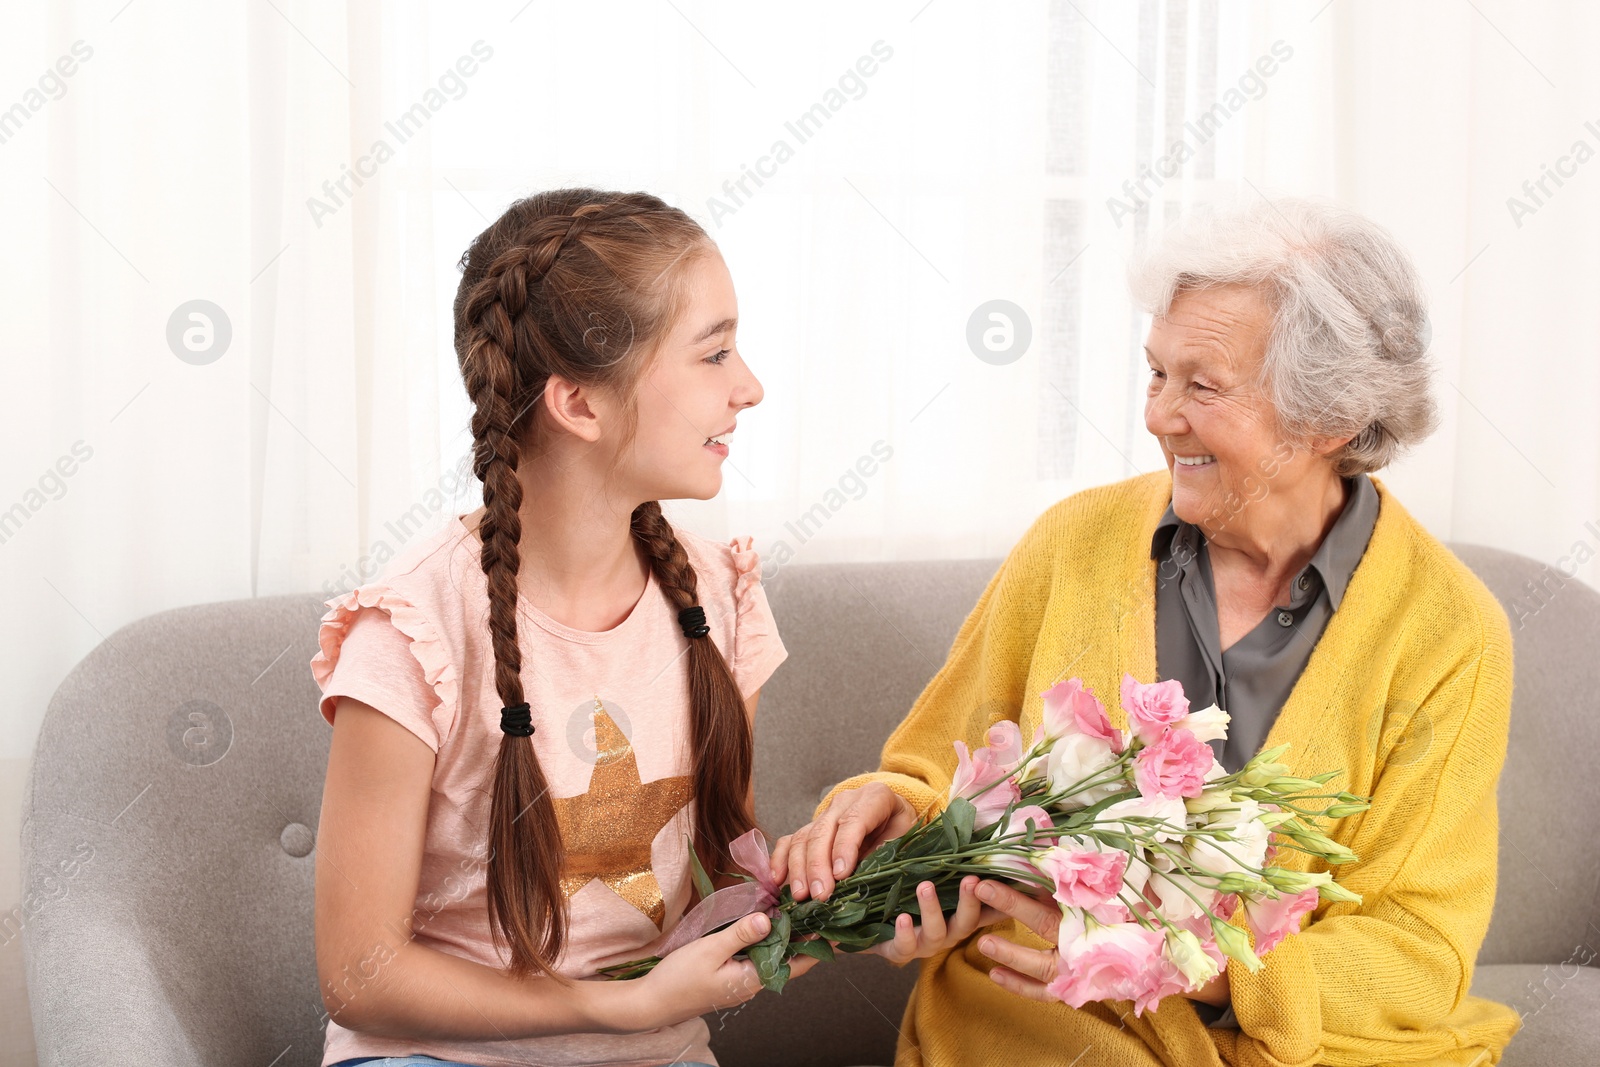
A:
x: 395, y: 662
x: 757, y: 649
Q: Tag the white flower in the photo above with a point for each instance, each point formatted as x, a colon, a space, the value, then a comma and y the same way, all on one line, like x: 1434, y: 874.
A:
x: 1183, y: 948
x: 1207, y: 724
x: 1176, y: 905
x: 1076, y: 757
x: 1245, y: 852
x: 1237, y: 812
x: 1169, y: 810
x: 1210, y: 800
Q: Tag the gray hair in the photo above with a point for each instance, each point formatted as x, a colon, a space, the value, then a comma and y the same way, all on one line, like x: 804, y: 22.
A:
x: 1348, y: 347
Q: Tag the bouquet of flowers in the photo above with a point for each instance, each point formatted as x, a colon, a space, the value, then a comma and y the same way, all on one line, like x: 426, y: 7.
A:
x: 1144, y: 842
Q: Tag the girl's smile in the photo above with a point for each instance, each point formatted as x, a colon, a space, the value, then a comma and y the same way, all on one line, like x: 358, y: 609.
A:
x: 693, y: 392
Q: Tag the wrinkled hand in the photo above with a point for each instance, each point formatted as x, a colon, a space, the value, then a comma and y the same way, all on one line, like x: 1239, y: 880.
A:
x: 1024, y: 971
x: 1028, y: 971
x: 934, y: 934
x: 815, y: 856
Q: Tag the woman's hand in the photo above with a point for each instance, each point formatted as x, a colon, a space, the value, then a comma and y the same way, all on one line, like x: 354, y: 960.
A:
x: 1027, y: 971
x: 1218, y: 992
x: 934, y: 935
x: 1024, y: 971
x: 825, y: 850
x: 702, y: 976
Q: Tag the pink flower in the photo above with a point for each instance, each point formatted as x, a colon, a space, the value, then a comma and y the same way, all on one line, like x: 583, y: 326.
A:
x: 1273, y: 920
x: 984, y: 781
x: 1152, y: 708
x: 1175, y: 766
x: 1119, y: 961
x: 1017, y: 823
x: 1042, y: 823
x: 1166, y: 978
x: 1005, y: 745
x: 1069, y: 705
x: 1087, y: 878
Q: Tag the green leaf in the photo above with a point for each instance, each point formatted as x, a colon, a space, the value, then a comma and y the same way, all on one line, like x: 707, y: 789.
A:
x: 884, y: 853
x: 887, y: 851
x: 1086, y: 815
x: 854, y: 938
x: 928, y: 844
x: 848, y: 913
x: 948, y: 895
x: 860, y: 938
x: 770, y: 955
x: 961, y: 815
x: 1115, y: 840
x: 702, y: 881
x: 771, y: 966
x: 892, y: 899
x: 803, y: 913
x: 819, y: 949
x: 947, y: 826
x: 867, y: 936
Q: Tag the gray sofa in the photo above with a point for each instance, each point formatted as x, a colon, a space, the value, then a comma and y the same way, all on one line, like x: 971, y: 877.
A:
x: 167, y: 832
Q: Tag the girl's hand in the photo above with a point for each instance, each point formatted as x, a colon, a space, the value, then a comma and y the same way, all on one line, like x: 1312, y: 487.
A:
x: 703, y: 976
x: 1025, y: 971
x: 825, y: 850
x: 934, y: 934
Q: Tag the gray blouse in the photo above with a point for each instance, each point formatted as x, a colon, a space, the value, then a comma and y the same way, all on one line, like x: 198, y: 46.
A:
x: 1252, y: 680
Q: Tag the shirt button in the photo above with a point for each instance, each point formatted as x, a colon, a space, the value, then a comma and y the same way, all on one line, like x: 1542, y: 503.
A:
x: 1304, y: 583
x: 1285, y: 619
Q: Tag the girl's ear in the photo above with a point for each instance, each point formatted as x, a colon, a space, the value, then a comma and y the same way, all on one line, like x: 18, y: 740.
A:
x: 573, y: 408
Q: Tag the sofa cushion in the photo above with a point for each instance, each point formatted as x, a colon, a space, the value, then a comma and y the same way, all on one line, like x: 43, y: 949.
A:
x: 1549, y: 882
x: 863, y: 640
x: 1560, y: 1008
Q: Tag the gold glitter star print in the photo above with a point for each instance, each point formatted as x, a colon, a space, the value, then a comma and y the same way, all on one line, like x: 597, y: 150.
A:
x: 608, y: 830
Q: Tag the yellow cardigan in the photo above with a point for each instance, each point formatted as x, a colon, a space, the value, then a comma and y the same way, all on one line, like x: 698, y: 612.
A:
x: 1408, y: 692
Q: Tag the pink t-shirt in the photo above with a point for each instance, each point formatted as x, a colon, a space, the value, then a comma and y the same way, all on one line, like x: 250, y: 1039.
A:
x: 610, y: 711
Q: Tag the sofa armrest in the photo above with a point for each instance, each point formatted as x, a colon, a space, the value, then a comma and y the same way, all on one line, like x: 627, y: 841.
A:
x: 96, y: 994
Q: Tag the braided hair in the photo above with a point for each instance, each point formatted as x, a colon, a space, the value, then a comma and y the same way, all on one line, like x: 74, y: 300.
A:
x: 582, y: 284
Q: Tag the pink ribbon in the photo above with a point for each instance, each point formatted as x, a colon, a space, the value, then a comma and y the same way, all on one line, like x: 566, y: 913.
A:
x: 730, y: 904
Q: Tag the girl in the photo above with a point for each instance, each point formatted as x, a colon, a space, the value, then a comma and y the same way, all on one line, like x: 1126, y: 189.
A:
x: 539, y: 705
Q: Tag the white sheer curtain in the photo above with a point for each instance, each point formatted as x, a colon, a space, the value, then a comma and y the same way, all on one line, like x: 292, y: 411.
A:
x: 936, y: 156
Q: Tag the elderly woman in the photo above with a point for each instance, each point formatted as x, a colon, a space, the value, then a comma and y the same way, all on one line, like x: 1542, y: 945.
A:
x: 1270, y: 574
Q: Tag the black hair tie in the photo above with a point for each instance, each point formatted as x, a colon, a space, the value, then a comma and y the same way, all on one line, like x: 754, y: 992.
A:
x: 517, y: 720
x: 693, y: 621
